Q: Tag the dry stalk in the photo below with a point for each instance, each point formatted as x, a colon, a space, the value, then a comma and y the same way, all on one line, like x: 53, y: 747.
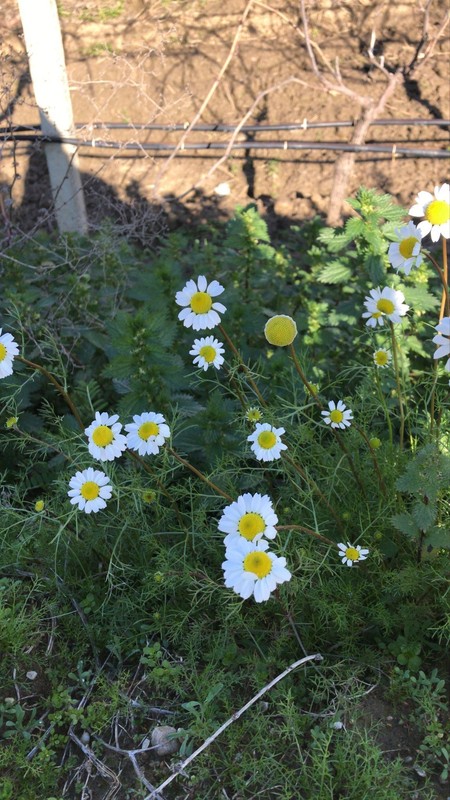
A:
x: 233, y: 718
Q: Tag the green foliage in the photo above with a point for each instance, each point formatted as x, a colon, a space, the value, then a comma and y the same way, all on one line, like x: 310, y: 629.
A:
x: 123, y: 613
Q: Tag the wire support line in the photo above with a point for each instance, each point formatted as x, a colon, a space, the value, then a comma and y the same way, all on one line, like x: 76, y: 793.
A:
x: 289, y: 144
x: 225, y: 128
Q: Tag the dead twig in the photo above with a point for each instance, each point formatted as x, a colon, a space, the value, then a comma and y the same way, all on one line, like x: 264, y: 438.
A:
x: 208, y: 97
x: 233, y: 718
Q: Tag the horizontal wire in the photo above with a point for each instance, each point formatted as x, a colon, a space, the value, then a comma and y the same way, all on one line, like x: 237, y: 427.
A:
x: 221, y: 127
x: 392, y: 149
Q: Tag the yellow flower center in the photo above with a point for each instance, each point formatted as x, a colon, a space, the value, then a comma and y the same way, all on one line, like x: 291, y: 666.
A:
x: 148, y: 429
x: 259, y: 563
x: 267, y: 439
x: 407, y: 246
x: 385, y: 306
x: 280, y: 330
x: 376, y: 314
x: 11, y: 421
x: 3, y: 352
x: 102, y: 436
x: 250, y: 525
x: 208, y: 353
x: 201, y: 302
x: 90, y: 490
x: 352, y: 553
x: 437, y: 212
x: 381, y: 358
x: 336, y: 416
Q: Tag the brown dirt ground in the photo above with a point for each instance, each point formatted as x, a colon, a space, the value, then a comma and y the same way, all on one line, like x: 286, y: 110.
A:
x: 147, y: 61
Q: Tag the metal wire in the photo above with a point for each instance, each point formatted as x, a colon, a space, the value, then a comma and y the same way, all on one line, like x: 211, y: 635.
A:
x: 289, y: 144
x: 221, y: 127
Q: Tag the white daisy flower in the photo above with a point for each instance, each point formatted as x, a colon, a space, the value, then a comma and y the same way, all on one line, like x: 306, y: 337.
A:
x: 105, y: 440
x: 250, y: 570
x: 250, y: 517
x: 405, y: 254
x: 338, y: 416
x: 147, y: 433
x: 381, y: 357
x: 436, y: 210
x: 8, y: 349
x: 384, y: 303
x: 266, y: 442
x: 351, y: 554
x: 89, y: 490
x: 208, y: 352
x: 443, y: 340
x: 200, y: 310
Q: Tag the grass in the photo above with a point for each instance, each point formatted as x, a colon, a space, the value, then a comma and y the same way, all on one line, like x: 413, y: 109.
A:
x: 121, y: 618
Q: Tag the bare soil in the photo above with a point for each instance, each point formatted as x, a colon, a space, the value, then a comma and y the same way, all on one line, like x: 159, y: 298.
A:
x: 154, y: 61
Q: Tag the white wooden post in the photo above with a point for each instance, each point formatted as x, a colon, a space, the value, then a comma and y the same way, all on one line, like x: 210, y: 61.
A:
x: 45, y: 51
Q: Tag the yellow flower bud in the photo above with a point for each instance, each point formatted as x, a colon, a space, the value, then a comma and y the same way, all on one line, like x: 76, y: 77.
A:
x: 39, y: 505
x: 375, y: 443
x: 280, y: 330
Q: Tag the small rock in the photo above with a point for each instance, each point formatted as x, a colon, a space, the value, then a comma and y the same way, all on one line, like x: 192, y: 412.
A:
x: 222, y: 189
x: 85, y: 737
x: 408, y: 759
x: 164, y: 741
x: 389, y: 718
x: 32, y: 675
x: 420, y: 772
x: 338, y: 726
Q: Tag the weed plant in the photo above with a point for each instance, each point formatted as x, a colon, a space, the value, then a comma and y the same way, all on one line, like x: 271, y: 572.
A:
x: 331, y: 428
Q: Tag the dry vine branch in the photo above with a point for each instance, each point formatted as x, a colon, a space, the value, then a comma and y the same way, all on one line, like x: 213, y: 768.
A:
x: 266, y: 688
x: 209, y: 95
x: 371, y: 107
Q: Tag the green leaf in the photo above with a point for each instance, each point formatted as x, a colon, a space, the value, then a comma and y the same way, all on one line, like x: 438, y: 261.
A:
x: 375, y: 267
x: 424, y: 514
x: 437, y: 537
x: 335, y: 272
x: 406, y: 524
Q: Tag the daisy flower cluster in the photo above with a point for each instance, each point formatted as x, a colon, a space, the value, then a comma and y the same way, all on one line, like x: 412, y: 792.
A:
x: 250, y: 568
x: 201, y: 312
x: 90, y: 488
x: 405, y: 254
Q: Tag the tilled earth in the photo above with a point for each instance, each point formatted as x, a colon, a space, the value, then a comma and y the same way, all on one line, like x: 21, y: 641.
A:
x: 141, y: 62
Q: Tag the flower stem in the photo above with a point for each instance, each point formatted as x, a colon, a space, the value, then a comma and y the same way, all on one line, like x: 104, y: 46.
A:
x: 399, y: 388
x: 304, y: 378
x: 56, y: 384
x: 319, y: 404
x: 305, y: 530
x: 200, y: 475
x: 159, y: 484
x: 243, y: 366
x: 445, y: 301
x: 313, y: 486
x: 363, y: 434
x: 385, y: 408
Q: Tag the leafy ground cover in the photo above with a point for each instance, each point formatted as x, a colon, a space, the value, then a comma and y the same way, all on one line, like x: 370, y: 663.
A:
x: 116, y: 623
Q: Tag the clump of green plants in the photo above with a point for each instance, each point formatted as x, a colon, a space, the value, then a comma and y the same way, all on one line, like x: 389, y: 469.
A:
x: 224, y: 488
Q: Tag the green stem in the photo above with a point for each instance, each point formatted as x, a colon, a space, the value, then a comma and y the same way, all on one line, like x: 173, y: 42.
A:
x: 443, y: 274
x: 305, y: 530
x: 374, y: 458
x: 313, y: 486
x: 399, y: 388
x: 160, y: 485
x: 243, y: 366
x: 303, y: 378
x: 200, y: 475
x: 56, y: 384
x: 319, y: 404
x: 385, y: 408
